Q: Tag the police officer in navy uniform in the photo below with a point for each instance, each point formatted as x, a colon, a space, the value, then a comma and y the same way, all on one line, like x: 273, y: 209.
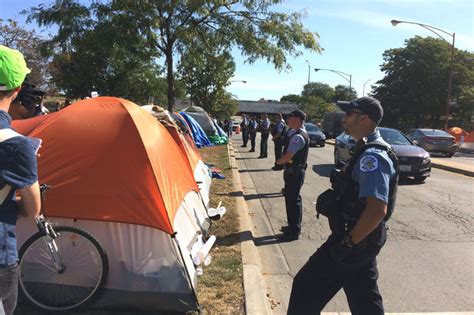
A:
x: 244, y: 128
x: 295, y: 155
x: 264, y: 128
x: 253, y: 132
x: 278, y: 140
x: 364, y: 193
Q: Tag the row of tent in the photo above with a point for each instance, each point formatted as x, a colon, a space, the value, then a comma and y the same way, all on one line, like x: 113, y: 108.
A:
x: 463, y: 138
x: 205, y: 130
x: 138, y: 185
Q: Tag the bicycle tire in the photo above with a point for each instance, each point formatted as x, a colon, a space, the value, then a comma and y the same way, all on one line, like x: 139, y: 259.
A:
x: 67, y: 236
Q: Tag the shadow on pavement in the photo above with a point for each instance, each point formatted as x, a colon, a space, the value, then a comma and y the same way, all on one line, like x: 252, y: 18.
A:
x: 263, y: 196
x: 407, y: 181
x: 256, y: 170
x: 243, y: 236
x: 246, y: 158
x: 252, y: 196
x: 323, y: 169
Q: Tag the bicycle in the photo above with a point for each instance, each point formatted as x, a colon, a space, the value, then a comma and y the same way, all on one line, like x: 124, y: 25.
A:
x: 61, y: 267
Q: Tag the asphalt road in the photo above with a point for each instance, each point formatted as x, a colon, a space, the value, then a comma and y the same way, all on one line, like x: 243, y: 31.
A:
x: 427, y: 264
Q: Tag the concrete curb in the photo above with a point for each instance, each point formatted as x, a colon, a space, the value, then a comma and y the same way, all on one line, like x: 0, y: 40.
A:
x: 452, y: 169
x: 254, y: 285
x: 437, y: 165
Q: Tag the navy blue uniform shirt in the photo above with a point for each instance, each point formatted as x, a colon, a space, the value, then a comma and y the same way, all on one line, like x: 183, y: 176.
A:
x: 18, y: 169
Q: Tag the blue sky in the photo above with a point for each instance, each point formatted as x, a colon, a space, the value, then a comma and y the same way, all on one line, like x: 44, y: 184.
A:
x: 354, y: 35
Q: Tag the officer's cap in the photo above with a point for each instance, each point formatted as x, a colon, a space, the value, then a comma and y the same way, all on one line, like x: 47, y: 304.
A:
x: 298, y: 114
x: 366, y: 105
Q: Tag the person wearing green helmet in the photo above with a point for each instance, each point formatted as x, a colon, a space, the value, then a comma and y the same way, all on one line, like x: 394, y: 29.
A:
x: 18, y: 172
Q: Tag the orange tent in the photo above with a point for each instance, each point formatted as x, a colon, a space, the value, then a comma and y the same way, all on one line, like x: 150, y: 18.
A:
x: 109, y: 160
x: 457, y: 132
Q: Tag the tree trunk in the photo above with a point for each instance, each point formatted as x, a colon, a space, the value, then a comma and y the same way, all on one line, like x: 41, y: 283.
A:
x: 170, y: 78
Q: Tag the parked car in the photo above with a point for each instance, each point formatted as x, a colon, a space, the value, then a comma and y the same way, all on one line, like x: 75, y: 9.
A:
x: 413, y: 160
x: 332, y: 124
x: 433, y: 140
x: 316, y: 136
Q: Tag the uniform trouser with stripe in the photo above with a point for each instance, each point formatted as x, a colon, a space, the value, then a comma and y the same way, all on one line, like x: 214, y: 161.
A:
x: 264, y: 144
x: 294, y: 180
x: 322, y: 277
x: 253, y: 135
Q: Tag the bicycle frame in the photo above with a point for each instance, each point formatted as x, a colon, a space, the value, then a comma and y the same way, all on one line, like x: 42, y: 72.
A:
x: 50, y: 235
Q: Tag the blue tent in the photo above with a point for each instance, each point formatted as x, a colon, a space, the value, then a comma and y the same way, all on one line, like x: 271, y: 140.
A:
x: 198, y: 134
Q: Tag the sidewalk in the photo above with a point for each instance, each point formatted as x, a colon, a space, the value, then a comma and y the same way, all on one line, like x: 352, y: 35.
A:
x: 461, y: 162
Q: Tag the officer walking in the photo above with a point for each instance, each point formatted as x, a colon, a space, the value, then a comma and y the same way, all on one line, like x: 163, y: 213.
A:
x: 362, y: 199
x: 278, y: 139
x: 295, y: 155
x: 18, y: 172
x: 264, y: 128
x: 244, y: 128
x: 253, y: 132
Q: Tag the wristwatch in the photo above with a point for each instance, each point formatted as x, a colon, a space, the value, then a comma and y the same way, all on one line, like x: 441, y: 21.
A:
x: 347, y: 241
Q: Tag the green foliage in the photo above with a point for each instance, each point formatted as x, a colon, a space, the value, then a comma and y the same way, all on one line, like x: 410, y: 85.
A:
x: 205, y: 70
x: 29, y: 43
x: 292, y: 98
x: 106, y: 54
x: 323, y: 90
x: 343, y: 93
x: 414, y: 89
x: 315, y: 99
x: 168, y: 28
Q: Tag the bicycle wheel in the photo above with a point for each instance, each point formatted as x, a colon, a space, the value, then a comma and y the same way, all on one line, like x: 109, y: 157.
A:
x: 81, y: 280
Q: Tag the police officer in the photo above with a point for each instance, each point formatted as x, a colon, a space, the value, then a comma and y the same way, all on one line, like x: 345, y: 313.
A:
x: 295, y: 155
x: 253, y: 132
x: 18, y: 172
x: 244, y: 128
x: 364, y: 197
x: 264, y: 128
x: 278, y: 139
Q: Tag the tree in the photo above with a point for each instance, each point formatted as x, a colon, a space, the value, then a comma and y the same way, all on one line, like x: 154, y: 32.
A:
x: 414, y: 89
x: 108, y: 55
x: 292, y: 98
x: 205, y: 70
x: 315, y: 99
x: 29, y: 43
x: 323, y: 90
x: 169, y: 27
x: 343, y: 93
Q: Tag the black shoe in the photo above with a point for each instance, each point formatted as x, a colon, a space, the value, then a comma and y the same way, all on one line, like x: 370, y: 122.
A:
x: 252, y: 150
x: 243, y: 146
x: 261, y: 157
x: 277, y: 168
x: 288, y: 237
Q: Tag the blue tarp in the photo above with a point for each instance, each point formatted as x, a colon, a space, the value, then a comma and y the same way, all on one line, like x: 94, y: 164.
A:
x: 199, y: 135
x: 220, y: 132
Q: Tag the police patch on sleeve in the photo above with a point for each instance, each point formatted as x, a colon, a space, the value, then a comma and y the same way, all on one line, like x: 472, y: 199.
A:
x: 368, y: 163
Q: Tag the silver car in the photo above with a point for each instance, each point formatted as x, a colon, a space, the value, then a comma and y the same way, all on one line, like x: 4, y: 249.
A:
x: 413, y: 161
x: 433, y: 140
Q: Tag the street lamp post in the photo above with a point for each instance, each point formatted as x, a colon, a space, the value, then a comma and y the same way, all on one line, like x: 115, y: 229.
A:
x: 450, y: 77
x: 346, y: 76
x: 309, y: 71
x: 363, y: 87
